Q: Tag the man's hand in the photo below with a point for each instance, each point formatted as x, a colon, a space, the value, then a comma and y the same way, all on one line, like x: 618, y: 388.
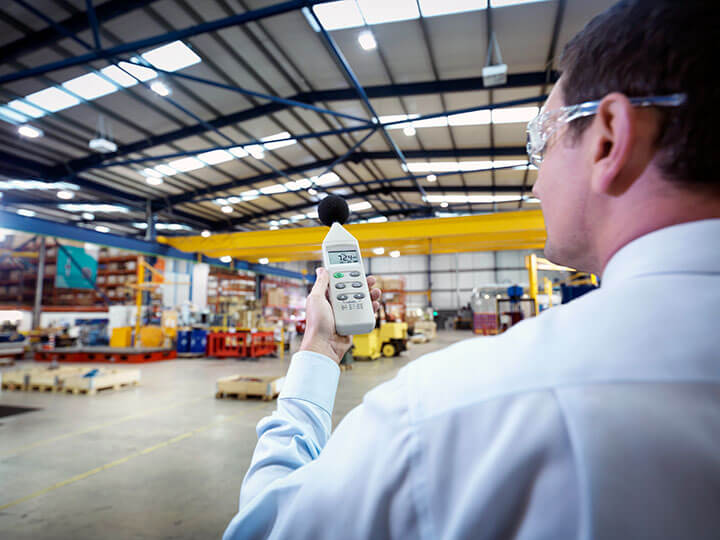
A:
x: 320, y: 335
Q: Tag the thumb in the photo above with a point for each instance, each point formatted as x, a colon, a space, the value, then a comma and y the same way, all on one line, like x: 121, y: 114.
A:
x: 321, y: 282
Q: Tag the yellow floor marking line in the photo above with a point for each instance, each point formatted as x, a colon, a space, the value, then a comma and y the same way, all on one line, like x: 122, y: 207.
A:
x: 43, y: 442
x: 127, y: 458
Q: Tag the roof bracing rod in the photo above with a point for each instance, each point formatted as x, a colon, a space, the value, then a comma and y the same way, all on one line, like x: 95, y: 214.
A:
x: 355, y: 83
x: 210, y: 26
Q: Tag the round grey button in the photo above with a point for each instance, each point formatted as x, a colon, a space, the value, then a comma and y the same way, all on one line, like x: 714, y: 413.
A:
x: 356, y: 284
x: 342, y: 297
x: 339, y: 285
x: 355, y: 274
x: 358, y: 296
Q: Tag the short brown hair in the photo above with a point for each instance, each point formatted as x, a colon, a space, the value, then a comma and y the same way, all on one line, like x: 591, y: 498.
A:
x: 656, y: 48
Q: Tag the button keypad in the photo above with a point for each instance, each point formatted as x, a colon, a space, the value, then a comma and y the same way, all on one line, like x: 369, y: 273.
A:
x: 358, y: 296
x: 342, y: 297
x: 340, y: 285
x: 356, y: 284
x: 355, y: 274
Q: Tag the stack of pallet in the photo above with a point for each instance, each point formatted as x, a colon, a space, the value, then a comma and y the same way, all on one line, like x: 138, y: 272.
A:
x: 71, y: 379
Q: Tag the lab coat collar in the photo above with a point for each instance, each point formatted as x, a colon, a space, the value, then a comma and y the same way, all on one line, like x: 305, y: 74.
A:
x: 692, y: 247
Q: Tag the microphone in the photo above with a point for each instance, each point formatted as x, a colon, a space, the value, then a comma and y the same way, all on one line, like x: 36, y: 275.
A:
x: 333, y: 209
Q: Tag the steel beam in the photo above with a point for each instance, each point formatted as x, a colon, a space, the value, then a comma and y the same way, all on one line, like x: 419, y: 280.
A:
x: 391, y: 90
x: 76, y: 23
x: 54, y: 229
x: 211, y: 26
x: 381, y: 191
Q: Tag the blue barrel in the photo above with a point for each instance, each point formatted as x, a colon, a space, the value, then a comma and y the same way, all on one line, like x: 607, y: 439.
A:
x: 198, y: 341
x: 183, y: 341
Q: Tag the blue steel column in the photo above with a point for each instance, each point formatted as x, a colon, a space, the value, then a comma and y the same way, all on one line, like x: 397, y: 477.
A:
x: 39, y: 283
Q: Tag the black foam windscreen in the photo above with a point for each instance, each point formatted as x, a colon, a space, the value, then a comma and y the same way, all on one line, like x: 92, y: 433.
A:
x: 333, y: 208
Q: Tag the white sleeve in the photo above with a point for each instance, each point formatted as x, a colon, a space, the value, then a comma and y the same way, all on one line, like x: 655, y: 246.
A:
x: 359, y: 483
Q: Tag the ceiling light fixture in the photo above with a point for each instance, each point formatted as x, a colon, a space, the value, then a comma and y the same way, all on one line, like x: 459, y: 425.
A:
x: 160, y: 88
x: 409, y: 131
x: 431, y: 178
x: 25, y: 213
x: 367, y: 40
x: 264, y: 260
x: 30, y: 131
x: 227, y: 209
x: 87, y: 216
x: 226, y: 259
x: 395, y: 254
x: 378, y: 251
x: 153, y: 181
x: 443, y: 204
x: 205, y: 234
x: 65, y: 195
x: 102, y: 229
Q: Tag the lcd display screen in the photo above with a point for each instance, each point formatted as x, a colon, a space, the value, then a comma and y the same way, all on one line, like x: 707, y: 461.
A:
x: 343, y: 257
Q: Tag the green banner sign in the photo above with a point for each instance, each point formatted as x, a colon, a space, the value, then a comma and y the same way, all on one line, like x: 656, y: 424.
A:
x: 80, y: 274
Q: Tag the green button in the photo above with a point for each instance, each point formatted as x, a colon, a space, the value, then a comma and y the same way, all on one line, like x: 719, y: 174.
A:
x: 338, y: 274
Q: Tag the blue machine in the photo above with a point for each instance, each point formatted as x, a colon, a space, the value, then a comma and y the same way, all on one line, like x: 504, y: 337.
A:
x: 198, y: 340
x: 183, y: 341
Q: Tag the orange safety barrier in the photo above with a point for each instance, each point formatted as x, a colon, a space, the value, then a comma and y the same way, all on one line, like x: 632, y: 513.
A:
x: 261, y: 344
x: 227, y: 344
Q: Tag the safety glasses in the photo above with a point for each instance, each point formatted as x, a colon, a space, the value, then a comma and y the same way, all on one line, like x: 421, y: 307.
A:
x: 546, y: 123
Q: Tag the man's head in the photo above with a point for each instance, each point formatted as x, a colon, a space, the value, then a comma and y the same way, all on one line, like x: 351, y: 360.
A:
x: 627, y: 170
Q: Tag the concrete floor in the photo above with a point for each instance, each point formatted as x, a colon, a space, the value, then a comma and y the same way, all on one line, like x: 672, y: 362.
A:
x: 162, y: 460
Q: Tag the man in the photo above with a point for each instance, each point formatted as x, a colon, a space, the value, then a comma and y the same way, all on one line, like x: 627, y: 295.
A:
x: 597, y: 419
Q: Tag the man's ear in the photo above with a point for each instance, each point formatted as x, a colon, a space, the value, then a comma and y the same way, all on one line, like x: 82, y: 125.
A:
x: 615, y: 165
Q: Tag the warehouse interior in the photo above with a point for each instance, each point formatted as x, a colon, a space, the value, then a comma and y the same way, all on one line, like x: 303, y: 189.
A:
x: 161, y: 166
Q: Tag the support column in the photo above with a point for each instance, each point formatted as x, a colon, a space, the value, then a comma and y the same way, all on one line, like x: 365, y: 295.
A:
x: 150, y: 230
x: 37, y: 308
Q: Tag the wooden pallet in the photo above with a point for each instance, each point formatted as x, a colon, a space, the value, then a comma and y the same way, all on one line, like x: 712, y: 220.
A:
x: 248, y: 387
x: 105, y: 379
x: 92, y: 391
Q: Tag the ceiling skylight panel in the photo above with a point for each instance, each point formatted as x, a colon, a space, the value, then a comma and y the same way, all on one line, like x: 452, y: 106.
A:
x: 271, y: 190
x: 172, y: 57
x: 359, y: 206
x: 238, y: 152
x: 384, y: 11
x: 279, y: 144
x: 327, y: 179
x: 9, y: 115
x: 26, y: 108
x: 503, y: 3
x: 473, y: 118
x: 186, y: 164
x: 213, y: 157
x: 166, y: 170
x: 432, y: 8
x: 119, y: 76
x: 53, y: 99
x: 90, y: 86
x: 438, y: 121
x: 514, y: 115
x: 338, y: 15
x: 141, y: 72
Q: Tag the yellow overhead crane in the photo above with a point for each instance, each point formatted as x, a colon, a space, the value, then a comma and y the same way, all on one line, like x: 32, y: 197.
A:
x: 488, y: 232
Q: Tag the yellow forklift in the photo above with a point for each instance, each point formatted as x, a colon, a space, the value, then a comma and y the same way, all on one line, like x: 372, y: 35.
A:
x: 389, y: 340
